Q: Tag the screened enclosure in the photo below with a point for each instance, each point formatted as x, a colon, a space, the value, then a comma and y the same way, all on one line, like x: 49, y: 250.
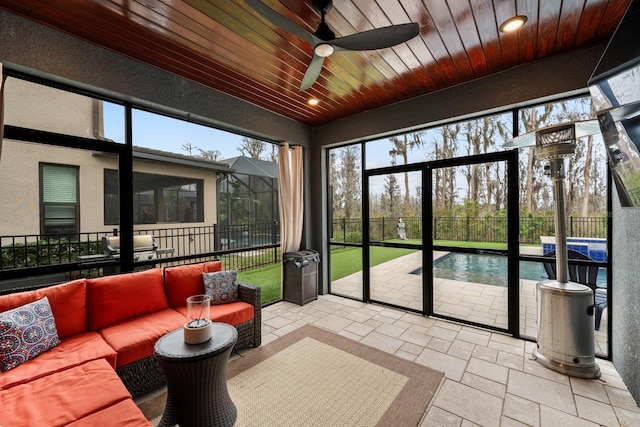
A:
x: 248, y: 203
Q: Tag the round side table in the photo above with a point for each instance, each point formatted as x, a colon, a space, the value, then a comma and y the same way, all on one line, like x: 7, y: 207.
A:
x: 196, y: 378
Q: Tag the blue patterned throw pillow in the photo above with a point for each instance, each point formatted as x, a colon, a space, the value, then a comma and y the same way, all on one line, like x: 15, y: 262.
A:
x: 221, y: 286
x: 26, y: 332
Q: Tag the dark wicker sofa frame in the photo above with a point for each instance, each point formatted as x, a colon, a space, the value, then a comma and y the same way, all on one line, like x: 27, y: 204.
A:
x: 145, y: 376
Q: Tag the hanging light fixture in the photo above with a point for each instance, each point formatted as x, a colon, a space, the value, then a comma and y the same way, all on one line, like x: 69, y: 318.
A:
x: 513, y: 23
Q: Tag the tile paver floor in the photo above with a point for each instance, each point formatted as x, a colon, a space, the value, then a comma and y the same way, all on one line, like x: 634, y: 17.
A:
x: 490, y: 378
x: 393, y: 283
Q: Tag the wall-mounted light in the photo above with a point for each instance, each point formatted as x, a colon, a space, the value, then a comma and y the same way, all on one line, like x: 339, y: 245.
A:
x: 313, y: 101
x: 513, y: 23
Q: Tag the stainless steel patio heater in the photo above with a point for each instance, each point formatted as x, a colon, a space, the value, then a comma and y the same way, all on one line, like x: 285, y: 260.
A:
x: 565, y: 309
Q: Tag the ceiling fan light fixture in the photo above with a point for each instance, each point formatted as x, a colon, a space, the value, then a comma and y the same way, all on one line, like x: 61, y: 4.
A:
x: 323, y: 50
x: 513, y: 23
x: 313, y: 101
x: 324, y: 42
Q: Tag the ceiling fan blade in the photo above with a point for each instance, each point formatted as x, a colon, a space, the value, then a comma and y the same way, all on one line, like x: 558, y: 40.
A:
x: 312, y: 73
x: 280, y: 21
x: 378, y: 38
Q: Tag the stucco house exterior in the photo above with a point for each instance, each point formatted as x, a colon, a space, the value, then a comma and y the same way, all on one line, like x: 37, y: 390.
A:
x: 59, y: 190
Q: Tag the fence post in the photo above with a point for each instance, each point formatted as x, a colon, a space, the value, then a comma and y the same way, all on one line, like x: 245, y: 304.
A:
x: 571, y: 226
x: 435, y: 223
x: 274, y: 232
x: 216, y: 237
x: 383, y: 226
x: 467, y: 231
x: 274, y: 238
x: 344, y: 229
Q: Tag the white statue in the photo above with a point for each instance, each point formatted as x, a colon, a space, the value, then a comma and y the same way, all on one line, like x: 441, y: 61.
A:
x: 402, y: 232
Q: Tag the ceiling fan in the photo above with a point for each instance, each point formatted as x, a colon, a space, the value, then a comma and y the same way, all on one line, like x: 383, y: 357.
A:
x: 324, y: 41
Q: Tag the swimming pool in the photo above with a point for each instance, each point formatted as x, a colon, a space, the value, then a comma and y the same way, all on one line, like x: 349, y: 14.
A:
x: 491, y: 269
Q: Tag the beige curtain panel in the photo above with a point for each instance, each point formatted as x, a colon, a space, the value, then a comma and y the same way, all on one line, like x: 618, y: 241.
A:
x: 290, y: 185
x: 3, y: 78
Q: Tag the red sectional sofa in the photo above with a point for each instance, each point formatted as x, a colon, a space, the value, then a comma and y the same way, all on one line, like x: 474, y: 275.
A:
x: 107, y: 328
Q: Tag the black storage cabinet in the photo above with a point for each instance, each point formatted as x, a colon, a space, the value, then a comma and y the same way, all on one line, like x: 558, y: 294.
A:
x: 300, y: 283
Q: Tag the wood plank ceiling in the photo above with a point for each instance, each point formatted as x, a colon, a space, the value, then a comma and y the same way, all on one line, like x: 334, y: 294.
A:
x: 227, y: 46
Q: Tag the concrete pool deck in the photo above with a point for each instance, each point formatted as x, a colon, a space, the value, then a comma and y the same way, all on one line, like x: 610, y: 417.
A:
x: 392, y: 282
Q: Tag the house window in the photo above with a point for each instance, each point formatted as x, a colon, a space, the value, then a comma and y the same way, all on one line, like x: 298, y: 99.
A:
x: 156, y: 198
x: 59, y: 212
x: 111, y: 198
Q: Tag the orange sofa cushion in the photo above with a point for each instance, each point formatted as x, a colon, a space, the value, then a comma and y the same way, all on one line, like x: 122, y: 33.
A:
x: 185, y: 280
x: 122, y: 414
x: 233, y: 313
x: 61, y: 398
x: 134, y: 339
x: 212, y: 266
x: 112, y: 299
x: 70, y: 352
x: 68, y: 303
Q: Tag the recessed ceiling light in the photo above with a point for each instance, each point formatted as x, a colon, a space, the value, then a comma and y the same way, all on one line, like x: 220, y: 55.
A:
x: 313, y: 101
x: 513, y: 23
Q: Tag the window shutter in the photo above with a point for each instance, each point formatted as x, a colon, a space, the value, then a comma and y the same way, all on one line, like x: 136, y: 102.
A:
x: 59, y: 184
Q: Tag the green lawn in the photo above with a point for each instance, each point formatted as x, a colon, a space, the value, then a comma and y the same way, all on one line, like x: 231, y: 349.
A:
x: 268, y: 278
x: 349, y: 260
x: 343, y: 263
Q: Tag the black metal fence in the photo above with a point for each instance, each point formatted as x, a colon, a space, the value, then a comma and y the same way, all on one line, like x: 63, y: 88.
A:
x: 467, y: 229
x: 37, y: 250
x: 245, y: 235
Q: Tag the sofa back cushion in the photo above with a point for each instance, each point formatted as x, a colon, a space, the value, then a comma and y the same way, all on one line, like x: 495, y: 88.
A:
x: 68, y: 304
x: 212, y: 266
x: 111, y: 299
x: 185, y: 280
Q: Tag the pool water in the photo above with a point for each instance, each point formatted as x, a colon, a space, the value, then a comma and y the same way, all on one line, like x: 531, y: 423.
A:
x: 491, y: 269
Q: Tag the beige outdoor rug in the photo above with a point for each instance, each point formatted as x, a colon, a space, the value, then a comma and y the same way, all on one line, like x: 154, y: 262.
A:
x: 311, y: 377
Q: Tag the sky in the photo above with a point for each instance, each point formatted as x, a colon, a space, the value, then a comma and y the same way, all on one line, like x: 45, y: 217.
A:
x: 163, y: 133
x: 167, y: 134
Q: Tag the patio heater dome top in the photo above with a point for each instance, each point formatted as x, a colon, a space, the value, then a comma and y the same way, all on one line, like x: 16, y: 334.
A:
x: 555, y: 134
x: 557, y: 142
